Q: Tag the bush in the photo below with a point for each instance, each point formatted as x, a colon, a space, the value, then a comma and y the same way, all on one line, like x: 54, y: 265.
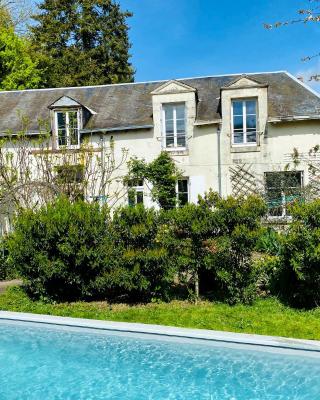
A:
x: 269, y: 242
x: 214, y: 241
x: 229, y: 254
x: 7, y: 271
x: 183, y: 232
x: 59, y: 250
x: 70, y: 251
x: 140, y: 268
x: 298, y: 281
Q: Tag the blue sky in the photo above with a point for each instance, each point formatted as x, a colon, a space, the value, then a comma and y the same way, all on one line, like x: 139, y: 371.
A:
x: 184, y: 38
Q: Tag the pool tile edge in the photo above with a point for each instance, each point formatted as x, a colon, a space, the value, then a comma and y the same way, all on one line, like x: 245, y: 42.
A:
x: 161, y: 330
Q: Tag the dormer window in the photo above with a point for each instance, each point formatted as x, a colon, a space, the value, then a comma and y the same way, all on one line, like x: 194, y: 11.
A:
x: 244, y: 122
x: 174, y: 125
x: 67, y: 128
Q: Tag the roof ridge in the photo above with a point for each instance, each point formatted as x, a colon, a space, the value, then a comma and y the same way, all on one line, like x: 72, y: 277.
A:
x: 142, y: 83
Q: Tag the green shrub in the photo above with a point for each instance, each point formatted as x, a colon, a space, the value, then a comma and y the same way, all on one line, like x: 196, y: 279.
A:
x: 211, y: 244
x: 138, y: 268
x: 7, y: 271
x: 183, y: 231
x: 266, y: 269
x: 298, y: 281
x: 269, y: 241
x: 59, y: 250
x: 229, y: 254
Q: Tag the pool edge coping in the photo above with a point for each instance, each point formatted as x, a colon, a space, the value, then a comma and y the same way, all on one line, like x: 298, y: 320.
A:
x: 166, y: 331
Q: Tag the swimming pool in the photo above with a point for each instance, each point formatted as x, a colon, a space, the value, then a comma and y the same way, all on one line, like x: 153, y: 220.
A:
x: 47, y: 362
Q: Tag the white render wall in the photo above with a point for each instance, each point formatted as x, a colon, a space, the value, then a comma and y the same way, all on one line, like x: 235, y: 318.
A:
x: 200, y: 163
x: 209, y: 155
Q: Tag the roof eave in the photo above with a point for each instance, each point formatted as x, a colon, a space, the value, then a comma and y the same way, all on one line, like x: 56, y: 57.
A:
x: 292, y: 118
x: 116, y: 129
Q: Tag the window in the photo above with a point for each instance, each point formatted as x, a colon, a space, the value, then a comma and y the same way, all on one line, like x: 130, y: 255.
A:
x: 69, y: 173
x: 135, y: 192
x: 67, y: 123
x: 174, y: 125
x: 182, y: 190
x: 282, y: 189
x: 244, y: 122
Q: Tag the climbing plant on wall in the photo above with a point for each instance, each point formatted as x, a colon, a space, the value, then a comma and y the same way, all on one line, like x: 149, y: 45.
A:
x: 161, y: 173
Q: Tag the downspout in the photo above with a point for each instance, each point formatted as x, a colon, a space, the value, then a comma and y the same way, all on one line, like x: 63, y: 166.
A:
x: 219, y: 160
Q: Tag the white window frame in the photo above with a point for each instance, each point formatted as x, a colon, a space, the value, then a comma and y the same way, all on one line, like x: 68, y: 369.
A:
x: 244, y: 121
x: 175, y: 133
x: 188, y: 190
x: 67, y: 111
x: 136, y: 189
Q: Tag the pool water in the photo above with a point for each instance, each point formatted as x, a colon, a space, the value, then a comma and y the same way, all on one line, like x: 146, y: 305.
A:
x: 46, y: 363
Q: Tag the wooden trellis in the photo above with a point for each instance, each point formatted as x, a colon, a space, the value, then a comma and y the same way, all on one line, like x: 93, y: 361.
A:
x: 244, y: 182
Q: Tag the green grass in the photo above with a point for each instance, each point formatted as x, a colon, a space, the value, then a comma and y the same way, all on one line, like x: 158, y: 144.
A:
x: 265, y: 316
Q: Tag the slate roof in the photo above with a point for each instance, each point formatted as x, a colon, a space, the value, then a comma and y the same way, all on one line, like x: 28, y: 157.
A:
x: 129, y: 105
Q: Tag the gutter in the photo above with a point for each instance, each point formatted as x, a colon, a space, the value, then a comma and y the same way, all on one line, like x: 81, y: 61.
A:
x: 117, y: 129
x: 290, y: 118
x: 209, y: 122
x: 97, y: 130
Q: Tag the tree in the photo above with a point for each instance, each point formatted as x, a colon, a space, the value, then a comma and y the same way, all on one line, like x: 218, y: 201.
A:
x: 306, y: 15
x: 15, y: 13
x: 18, y: 69
x: 82, y: 42
x: 32, y: 175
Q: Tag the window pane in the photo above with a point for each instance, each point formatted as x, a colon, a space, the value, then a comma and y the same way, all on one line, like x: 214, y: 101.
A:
x: 181, y: 140
x: 169, y: 127
x: 168, y: 110
x: 238, y: 123
x: 238, y: 137
x: 180, y: 126
x: 170, y: 141
x: 139, y: 197
x: 61, y: 117
x: 182, y: 185
x: 74, y: 137
x: 237, y: 108
x: 180, y: 111
x: 183, y: 199
x: 73, y: 119
x: 292, y: 180
x: 251, y: 106
x: 282, y: 189
x: 251, y: 122
x: 251, y: 137
x: 131, y: 197
x: 62, y: 137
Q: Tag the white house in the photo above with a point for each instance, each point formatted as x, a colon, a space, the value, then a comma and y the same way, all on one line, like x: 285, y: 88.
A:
x: 231, y: 133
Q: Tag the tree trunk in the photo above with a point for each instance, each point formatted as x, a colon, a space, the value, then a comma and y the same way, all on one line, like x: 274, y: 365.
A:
x: 196, y: 287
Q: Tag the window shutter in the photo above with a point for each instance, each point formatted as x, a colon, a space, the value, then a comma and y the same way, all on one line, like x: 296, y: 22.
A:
x: 197, y: 187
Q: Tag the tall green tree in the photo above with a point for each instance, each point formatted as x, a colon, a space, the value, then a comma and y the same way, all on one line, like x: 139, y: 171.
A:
x: 82, y: 42
x: 18, y: 69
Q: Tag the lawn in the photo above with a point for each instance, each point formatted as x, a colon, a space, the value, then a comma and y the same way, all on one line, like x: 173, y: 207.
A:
x: 265, y: 316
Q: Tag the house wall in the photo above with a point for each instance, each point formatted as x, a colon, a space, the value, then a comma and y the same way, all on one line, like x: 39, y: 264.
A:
x: 210, y: 161
x: 200, y: 163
